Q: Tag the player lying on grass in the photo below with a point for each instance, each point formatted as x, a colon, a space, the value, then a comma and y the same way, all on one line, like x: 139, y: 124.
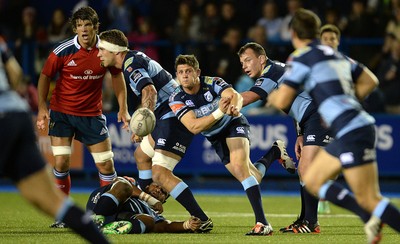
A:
x: 122, y: 208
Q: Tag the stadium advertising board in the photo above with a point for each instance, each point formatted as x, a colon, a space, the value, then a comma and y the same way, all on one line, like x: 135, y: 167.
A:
x: 201, y: 159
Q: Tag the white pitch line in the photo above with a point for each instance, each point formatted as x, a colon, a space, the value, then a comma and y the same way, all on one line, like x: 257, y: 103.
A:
x: 241, y: 215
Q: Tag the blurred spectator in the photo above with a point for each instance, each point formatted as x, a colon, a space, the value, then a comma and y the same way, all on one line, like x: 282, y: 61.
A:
x: 58, y: 29
x: 142, y: 37
x: 333, y: 17
x: 360, y: 23
x: 230, y: 18
x: 210, y: 22
x: 26, y: 44
x: 119, y: 16
x: 186, y: 30
x: 187, y: 25
x: 223, y: 62
x: 257, y: 34
x: 270, y: 20
x: 388, y: 74
x: 292, y: 7
x: 27, y: 90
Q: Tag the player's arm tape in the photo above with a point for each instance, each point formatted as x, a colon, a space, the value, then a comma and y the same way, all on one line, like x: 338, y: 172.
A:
x: 218, y: 114
x: 147, y: 198
x: 186, y: 225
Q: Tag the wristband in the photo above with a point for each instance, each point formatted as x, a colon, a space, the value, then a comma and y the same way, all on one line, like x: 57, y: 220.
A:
x: 147, y: 198
x: 218, y: 114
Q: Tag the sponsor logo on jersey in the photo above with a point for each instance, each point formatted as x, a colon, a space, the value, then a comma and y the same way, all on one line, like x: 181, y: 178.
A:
x: 179, y: 147
x: 136, y: 75
x: 72, y: 63
x: 161, y: 141
x: 220, y: 82
x: 327, y: 139
x: 189, y: 103
x: 88, y: 72
x: 128, y: 62
x: 208, y: 96
x: 310, y: 138
x: 369, y: 154
x: 240, y: 130
x: 103, y: 131
x: 346, y: 158
x: 259, y: 82
x: 208, y: 80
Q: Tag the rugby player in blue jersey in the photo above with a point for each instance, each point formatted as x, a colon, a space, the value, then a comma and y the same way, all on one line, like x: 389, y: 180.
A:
x: 158, y: 153
x: 269, y: 75
x: 365, y: 79
x: 123, y: 208
x: 326, y: 75
x: 200, y: 104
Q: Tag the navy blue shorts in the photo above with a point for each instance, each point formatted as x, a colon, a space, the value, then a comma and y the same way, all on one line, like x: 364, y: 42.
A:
x: 314, y: 133
x: 237, y: 128
x: 19, y: 153
x: 88, y: 130
x: 172, y: 136
x: 355, y: 148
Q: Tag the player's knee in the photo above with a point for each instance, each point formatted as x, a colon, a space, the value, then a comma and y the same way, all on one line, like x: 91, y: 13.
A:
x: 121, y: 189
x: 61, y: 150
x: 162, y: 167
x: 103, y: 157
x: 145, y: 151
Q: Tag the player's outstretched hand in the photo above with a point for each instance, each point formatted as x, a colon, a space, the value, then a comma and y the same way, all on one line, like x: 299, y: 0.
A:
x: 124, y: 117
x: 192, y: 224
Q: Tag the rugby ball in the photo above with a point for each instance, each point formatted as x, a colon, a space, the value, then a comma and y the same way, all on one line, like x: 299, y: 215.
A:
x: 142, y: 122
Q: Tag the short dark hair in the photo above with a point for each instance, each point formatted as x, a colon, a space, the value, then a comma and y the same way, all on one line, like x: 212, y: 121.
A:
x: 257, y: 48
x: 85, y: 13
x: 190, y: 60
x: 330, y: 28
x: 306, y: 24
x: 114, y: 36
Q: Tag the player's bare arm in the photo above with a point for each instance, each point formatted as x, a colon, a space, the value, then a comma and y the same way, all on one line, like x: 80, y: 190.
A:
x: 149, y: 97
x: 282, y: 98
x: 121, y: 94
x: 14, y: 72
x: 43, y: 91
x: 365, y: 84
x: 197, y: 125
x: 249, y: 97
x: 192, y: 224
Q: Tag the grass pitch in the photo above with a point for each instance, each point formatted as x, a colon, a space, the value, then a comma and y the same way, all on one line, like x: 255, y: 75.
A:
x: 232, y: 216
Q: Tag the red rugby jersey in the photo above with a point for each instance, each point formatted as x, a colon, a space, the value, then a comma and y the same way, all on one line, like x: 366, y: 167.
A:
x: 78, y: 89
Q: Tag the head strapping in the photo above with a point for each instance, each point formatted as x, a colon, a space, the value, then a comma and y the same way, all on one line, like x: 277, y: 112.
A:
x: 112, y: 47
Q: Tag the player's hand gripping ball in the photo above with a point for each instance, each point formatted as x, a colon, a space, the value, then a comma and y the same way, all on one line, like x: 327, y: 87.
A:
x: 142, y: 122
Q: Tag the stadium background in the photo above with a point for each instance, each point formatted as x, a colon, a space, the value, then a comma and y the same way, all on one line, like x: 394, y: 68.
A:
x: 200, y: 167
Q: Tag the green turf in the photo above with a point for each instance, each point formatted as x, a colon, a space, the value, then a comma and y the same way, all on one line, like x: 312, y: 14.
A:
x: 232, y: 215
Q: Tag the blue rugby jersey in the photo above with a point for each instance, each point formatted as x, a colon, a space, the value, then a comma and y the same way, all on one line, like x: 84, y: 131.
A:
x: 140, y: 70
x: 132, y: 205
x: 327, y: 76
x: 203, y: 103
x: 271, y: 78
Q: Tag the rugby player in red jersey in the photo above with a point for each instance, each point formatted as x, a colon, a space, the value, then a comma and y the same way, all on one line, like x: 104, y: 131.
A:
x: 76, y: 101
